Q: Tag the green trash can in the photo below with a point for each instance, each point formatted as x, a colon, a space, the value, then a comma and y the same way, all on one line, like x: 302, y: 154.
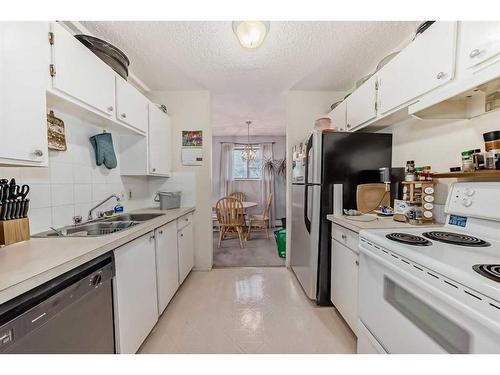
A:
x: 280, y: 236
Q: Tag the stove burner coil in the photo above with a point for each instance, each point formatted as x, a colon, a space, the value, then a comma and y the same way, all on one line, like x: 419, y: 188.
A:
x: 456, y: 239
x: 491, y: 271
x: 409, y: 239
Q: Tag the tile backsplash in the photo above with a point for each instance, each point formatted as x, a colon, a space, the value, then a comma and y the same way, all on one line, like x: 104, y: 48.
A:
x: 73, y: 183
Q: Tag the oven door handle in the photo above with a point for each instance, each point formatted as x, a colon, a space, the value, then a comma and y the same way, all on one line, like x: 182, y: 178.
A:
x: 456, y: 304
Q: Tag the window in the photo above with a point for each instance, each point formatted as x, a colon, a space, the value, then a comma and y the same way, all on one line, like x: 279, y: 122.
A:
x: 247, y: 170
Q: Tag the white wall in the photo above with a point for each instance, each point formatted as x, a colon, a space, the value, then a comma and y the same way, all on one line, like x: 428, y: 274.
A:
x: 252, y: 189
x: 439, y: 143
x: 302, y: 109
x: 190, y: 110
x: 73, y: 183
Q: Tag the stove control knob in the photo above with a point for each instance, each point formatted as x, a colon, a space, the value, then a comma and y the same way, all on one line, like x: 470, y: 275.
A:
x: 466, y: 202
x: 469, y: 192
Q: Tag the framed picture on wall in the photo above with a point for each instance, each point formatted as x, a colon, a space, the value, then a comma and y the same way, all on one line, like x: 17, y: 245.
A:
x: 192, y: 138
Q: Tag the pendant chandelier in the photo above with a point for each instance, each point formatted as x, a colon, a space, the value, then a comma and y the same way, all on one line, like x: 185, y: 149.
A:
x: 248, y: 153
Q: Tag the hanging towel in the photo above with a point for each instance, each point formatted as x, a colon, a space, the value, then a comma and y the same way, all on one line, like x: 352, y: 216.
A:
x: 104, y: 151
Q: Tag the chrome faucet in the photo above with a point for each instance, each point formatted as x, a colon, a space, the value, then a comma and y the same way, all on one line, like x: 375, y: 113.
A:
x: 90, y: 217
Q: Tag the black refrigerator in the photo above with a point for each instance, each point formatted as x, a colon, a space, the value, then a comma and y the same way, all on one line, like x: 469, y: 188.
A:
x: 323, y: 160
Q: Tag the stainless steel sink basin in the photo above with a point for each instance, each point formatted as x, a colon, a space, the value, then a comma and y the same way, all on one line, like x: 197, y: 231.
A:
x: 132, y: 217
x: 94, y: 229
x: 99, y: 227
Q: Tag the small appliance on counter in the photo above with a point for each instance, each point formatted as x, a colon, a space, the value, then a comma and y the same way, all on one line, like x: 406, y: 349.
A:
x: 14, y: 206
x: 168, y: 199
x: 393, y: 178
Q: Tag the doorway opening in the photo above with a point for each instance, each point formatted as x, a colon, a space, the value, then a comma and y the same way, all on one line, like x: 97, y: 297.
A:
x: 248, y: 201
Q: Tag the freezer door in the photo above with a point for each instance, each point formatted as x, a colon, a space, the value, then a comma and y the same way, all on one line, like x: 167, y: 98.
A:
x: 305, y: 236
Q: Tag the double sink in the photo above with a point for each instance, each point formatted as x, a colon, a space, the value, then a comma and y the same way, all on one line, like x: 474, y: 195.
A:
x: 99, y: 227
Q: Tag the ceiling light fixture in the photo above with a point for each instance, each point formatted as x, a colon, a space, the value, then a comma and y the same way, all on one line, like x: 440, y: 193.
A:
x: 251, y: 34
x: 248, y: 153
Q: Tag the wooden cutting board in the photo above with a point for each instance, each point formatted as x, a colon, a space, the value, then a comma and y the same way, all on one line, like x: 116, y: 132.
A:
x: 369, y: 197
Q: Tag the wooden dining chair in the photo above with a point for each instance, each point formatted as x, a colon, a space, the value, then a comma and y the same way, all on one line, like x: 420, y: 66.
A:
x: 230, y: 217
x: 239, y: 195
x: 261, y: 222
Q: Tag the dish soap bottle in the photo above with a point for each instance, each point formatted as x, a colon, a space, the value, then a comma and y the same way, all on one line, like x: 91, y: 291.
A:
x: 119, y: 208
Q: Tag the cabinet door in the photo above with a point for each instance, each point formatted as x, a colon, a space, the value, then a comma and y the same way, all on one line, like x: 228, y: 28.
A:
x: 428, y: 62
x: 131, y: 105
x: 24, y: 79
x: 338, y: 116
x: 167, y: 261
x: 135, y: 292
x: 160, y: 141
x: 479, y: 46
x: 186, y: 251
x: 80, y: 74
x: 344, y: 288
x: 361, y: 105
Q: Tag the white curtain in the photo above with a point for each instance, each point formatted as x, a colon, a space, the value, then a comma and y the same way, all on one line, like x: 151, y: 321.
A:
x: 267, y: 182
x: 226, y: 167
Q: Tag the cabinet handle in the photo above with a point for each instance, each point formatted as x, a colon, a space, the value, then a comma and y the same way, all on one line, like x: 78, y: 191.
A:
x: 182, y: 234
x: 154, y: 169
x: 441, y: 75
x: 123, y: 115
x: 38, y: 153
x: 348, y: 126
x: 357, y: 262
x: 344, y: 237
x: 110, y: 108
x: 474, y: 53
x: 151, y: 238
x: 161, y: 232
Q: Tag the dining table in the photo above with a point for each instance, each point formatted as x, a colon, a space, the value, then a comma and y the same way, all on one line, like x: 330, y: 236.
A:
x: 246, y: 205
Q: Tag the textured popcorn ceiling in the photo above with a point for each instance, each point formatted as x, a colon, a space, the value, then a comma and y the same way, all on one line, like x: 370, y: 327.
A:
x: 250, y: 84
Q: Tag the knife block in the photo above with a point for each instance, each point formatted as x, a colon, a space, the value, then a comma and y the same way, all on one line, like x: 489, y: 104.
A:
x: 12, y: 231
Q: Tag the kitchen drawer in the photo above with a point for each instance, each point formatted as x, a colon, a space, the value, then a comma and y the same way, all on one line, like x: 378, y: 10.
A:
x: 346, y: 237
x: 184, y: 221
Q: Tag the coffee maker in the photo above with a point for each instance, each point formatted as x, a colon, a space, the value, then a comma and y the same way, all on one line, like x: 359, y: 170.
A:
x: 393, y: 178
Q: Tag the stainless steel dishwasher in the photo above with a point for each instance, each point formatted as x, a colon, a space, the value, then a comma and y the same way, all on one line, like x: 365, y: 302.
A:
x: 72, y: 313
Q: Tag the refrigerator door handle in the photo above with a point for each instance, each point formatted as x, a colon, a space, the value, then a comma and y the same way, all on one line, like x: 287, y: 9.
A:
x: 307, y: 222
x: 306, y: 160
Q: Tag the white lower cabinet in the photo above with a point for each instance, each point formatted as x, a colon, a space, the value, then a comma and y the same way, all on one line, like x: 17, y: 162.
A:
x: 185, y: 245
x: 344, y: 282
x: 135, y: 293
x: 167, y: 260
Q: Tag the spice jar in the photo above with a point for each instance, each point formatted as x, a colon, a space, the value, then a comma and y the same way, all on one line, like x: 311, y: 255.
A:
x: 489, y: 160
x: 468, y: 161
x: 492, y: 140
x: 410, y: 171
x: 478, y: 158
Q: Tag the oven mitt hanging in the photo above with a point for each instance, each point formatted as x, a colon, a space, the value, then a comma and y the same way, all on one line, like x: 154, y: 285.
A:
x: 104, y: 151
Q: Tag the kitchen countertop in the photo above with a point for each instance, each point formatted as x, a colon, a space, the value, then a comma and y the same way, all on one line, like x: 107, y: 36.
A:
x: 25, y: 265
x: 356, y: 225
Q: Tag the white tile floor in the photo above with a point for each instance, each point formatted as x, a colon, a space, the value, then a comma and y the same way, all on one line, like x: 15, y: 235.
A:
x: 247, y: 310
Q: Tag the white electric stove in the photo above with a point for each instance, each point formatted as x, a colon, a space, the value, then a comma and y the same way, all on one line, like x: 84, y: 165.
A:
x: 435, y: 290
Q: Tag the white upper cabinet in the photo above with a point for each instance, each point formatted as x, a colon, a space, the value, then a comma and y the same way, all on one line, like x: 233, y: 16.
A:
x: 160, y: 141
x: 338, y: 117
x: 131, y: 106
x: 80, y: 74
x: 479, y: 46
x: 428, y: 62
x: 362, y: 104
x: 24, y: 78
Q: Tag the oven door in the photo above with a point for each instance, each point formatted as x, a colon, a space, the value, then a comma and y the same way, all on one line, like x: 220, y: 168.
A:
x: 406, y: 314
